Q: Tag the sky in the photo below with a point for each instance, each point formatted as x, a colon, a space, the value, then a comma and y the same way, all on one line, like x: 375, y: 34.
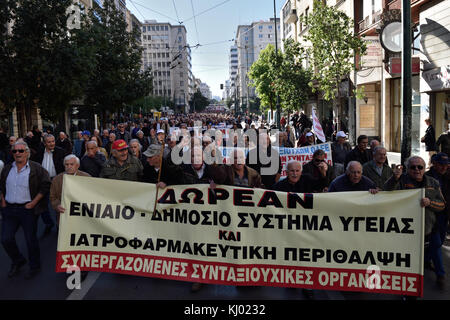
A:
x: 210, y: 23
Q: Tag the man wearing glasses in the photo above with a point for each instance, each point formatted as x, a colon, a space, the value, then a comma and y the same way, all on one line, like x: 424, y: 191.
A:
x: 433, y: 202
x: 24, y: 186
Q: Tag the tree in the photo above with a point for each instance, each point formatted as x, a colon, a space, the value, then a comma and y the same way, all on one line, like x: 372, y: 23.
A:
x: 262, y: 74
x: 282, y: 74
x: 43, y: 64
x: 198, y: 102
x: 117, y: 80
x: 292, y: 81
x: 332, y: 50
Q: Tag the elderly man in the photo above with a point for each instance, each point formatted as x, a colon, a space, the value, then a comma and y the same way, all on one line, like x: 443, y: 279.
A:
x: 122, y: 133
x: 24, y: 186
x: 433, y: 202
x: 360, y: 152
x: 353, y: 180
x: 238, y: 174
x: 64, y: 143
x: 93, y: 161
x: 51, y: 158
x: 112, y: 139
x: 105, y: 137
x: 377, y: 169
x: 122, y: 165
x: 268, y: 161
x: 136, y: 150
x: 71, y: 165
x: 170, y: 174
x: 319, y: 169
x: 339, y: 150
x: 298, y: 181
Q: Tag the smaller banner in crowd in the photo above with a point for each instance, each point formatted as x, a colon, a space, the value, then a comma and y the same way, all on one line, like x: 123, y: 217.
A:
x: 304, y: 154
x: 349, y: 241
x: 317, y: 127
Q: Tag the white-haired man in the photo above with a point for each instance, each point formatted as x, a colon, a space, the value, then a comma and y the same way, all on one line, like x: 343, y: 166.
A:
x: 71, y: 165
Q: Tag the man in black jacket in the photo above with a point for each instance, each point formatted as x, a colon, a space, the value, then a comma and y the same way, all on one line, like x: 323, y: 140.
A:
x: 319, y: 169
x: 299, y: 182
x: 359, y: 153
x: 51, y: 158
x: 21, y: 207
x: 93, y: 161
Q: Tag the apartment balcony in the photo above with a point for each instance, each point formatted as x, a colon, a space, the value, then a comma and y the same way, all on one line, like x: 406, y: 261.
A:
x: 369, y: 22
x: 292, y: 16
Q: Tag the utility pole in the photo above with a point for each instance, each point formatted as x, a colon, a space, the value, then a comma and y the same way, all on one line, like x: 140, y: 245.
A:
x: 276, y: 55
x: 406, y: 81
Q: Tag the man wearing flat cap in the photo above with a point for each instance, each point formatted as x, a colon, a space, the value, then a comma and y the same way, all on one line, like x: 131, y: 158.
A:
x: 170, y: 174
x: 122, y: 165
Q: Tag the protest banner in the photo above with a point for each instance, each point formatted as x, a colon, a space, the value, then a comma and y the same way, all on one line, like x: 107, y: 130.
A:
x: 352, y: 241
x: 303, y: 154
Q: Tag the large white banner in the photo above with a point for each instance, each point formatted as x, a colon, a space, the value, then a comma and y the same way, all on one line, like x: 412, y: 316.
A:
x: 352, y: 241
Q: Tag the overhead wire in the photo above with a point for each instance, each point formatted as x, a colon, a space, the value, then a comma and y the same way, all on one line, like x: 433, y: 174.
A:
x: 195, y: 22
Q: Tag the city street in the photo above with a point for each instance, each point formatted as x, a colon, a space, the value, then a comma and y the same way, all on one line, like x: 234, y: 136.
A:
x: 49, y: 285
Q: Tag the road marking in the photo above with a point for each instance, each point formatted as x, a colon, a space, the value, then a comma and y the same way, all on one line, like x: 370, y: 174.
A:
x: 86, y: 285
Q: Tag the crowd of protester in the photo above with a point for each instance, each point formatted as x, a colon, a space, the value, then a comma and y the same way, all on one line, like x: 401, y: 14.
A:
x: 142, y: 150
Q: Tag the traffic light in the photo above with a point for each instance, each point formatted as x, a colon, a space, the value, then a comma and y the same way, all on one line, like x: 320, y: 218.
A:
x: 221, y: 86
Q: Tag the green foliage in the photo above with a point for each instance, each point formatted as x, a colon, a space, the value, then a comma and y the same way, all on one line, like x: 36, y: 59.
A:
x: 292, y: 78
x: 42, y: 63
x: 262, y: 74
x: 282, y: 74
x: 198, y: 102
x: 332, y: 47
x: 117, y: 79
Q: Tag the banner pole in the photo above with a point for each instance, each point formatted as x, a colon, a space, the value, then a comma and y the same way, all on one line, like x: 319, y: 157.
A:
x: 159, y: 176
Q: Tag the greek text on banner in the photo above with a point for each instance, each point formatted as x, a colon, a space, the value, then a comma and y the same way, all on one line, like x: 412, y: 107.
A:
x: 237, y: 236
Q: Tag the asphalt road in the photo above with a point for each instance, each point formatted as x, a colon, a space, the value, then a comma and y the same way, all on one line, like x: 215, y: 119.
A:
x: 49, y: 285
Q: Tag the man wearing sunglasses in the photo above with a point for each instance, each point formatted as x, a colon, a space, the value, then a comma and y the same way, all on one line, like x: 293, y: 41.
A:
x: 24, y: 187
x: 433, y: 202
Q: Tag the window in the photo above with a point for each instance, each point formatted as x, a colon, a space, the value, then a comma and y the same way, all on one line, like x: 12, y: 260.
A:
x: 270, y: 27
x: 260, y: 36
x: 143, y: 29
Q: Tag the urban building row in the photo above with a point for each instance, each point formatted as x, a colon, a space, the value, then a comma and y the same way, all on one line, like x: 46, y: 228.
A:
x: 249, y: 41
x: 165, y: 50
x: 379, y: 114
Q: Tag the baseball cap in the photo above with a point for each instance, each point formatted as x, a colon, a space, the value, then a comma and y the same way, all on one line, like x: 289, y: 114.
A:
x: 86, y: 132
x: 119, y: 145
x: 160, y: 131
x: 341, y: 134
x: 441, y: 158
x: 152, y: 150
x: 309, y: 134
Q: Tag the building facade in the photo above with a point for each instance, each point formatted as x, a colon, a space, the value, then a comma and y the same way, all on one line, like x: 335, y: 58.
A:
x: 379, y: 114
x: 250, y: 40
x: 167, y: 53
